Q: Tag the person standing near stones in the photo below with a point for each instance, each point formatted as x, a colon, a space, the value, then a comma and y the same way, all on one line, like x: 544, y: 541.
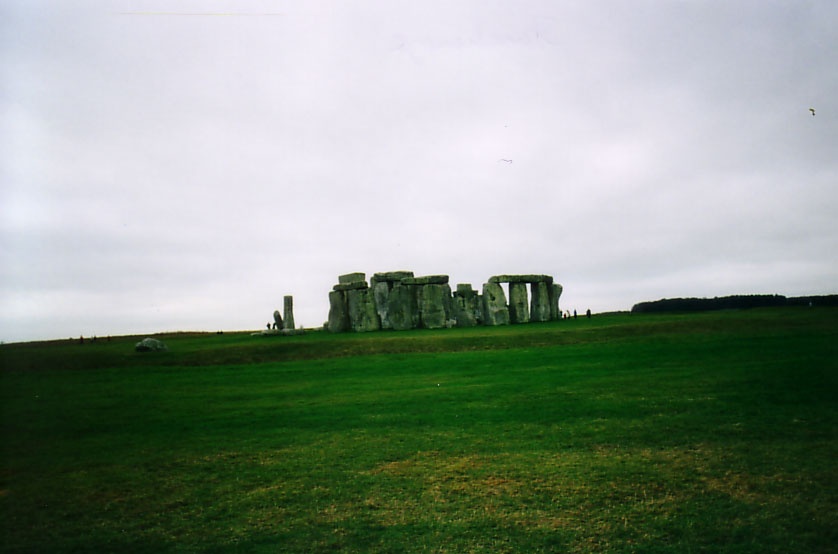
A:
x: 588, y: 313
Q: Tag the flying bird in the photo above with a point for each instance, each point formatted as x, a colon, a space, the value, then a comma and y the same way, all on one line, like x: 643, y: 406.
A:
x: 505, y: 160
x: 813, y: 111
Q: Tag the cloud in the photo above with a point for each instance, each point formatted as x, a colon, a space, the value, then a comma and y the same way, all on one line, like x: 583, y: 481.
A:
x: 165, y: 170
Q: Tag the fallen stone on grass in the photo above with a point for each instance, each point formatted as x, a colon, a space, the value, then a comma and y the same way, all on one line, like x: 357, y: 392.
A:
x: 150, y: 345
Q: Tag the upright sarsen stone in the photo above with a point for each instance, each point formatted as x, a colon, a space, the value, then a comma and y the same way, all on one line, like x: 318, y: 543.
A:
x: 518, y: 306
x: 361, y: 308
x: 403, y: 308
x: 555, y: 292
x: 465, y: 307
x: 495, y: 311
x: 382, y: 284
x: 540, y: 303
x: 338, y: 312
x: 434, y: 305
x: 381, y: 295
x: 288, y: 309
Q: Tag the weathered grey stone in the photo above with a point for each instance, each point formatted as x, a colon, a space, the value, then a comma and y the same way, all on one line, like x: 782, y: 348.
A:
x: 426, y: 280
x: 277, y: 320
x: 518, y: 305
x: 288, y: 308
x: 540, y: 302
x: 338, y: 312
x: 434, y: 305
x: 150, y: 345
x: 495, y: 311
x: 555, y: 293
x: 391, y: 276
x: 362, y: 314
x: 529, y: 278
x: 465, y: 310
x: 381, y: 295
x: 403, y: 308
x: 354, y: 285
x: 352, y: 278
x: 465, y: 290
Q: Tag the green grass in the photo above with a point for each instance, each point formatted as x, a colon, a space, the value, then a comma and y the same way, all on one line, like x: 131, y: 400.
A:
x: 712, y: 432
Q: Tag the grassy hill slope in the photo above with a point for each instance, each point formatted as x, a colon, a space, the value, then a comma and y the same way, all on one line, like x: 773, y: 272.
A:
x: 711, y: 432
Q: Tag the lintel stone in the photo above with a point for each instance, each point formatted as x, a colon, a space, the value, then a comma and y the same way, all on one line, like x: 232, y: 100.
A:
x: 426, y: 280
x: 357, y: 285
x: 521, y: 279
x: 352, y: 278
x: 392, y: 276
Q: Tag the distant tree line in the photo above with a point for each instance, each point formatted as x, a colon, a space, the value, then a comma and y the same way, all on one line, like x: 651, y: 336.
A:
x: 735, y: 302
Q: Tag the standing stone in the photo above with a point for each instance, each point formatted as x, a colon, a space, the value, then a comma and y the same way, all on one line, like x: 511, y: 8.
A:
x: 495, y: 311
x: 555, y: 292
x: 434, y: 301
x: 382, y: 284
x: 518, y: 306
x: 466, y: 306
x: 362, y: 314
x: 289, y: 313
x: 338, y: 312
x: 381, y: 295
x: 403, y: 308
x: 540, y: 303
x: 277, y: 320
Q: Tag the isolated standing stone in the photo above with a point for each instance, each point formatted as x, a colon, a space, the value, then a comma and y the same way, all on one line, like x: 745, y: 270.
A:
x: 289, y: 312
x: 540, y: 303
x: 338, y: 312
x: 277, y: 320
x: 495, y: 311
x: 518, y: 306
x: 150, y: 345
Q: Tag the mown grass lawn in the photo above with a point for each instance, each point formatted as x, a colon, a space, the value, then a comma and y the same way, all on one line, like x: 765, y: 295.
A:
x: 712, y: 432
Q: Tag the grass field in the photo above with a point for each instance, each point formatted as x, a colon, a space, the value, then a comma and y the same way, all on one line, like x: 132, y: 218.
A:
x: 713, y: 432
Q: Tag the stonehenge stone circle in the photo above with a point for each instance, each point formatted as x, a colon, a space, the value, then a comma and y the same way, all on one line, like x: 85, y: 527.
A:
x: 399, y: 300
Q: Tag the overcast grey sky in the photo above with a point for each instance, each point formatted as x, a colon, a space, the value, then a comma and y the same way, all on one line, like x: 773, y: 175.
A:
x: 175, y: 165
